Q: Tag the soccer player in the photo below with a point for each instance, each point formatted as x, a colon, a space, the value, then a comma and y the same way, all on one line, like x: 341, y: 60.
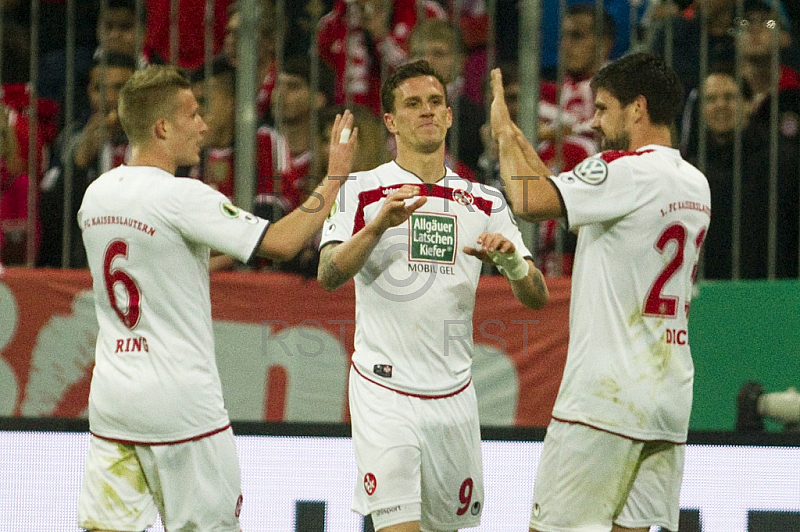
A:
x: 614, y: 451
x: 414, y: 235
x: 161, y: 438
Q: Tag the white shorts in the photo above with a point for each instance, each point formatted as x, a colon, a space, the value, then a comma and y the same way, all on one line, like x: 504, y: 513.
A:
x: 194, y: 485
x: 589, y: 479
x: 418, y: 459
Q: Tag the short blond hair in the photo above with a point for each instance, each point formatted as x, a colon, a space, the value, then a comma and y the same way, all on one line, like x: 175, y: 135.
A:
x: 148, y: 95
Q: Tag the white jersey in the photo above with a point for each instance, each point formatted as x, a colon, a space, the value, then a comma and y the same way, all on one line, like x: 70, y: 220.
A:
x: 416, y: 292
x: 642, y: 217
x: 147, y: 236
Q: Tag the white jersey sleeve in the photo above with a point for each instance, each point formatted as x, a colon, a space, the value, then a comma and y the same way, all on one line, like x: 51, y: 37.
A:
x: 341, y: 220
x: 207, y: 216
x: 591, y: 197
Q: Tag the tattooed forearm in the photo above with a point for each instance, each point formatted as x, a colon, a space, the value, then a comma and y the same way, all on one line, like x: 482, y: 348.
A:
x: 329, y: 275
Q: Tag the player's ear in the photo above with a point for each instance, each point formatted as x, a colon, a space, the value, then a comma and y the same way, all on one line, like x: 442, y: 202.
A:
x: 639, y: 106
x: 160, y: 128
x: 388, y: 120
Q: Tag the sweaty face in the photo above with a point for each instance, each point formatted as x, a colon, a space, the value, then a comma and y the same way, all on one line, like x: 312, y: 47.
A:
x: 186, y: 129
x: 610, y: 122
x: 421, y: 117
x: 722, y: 103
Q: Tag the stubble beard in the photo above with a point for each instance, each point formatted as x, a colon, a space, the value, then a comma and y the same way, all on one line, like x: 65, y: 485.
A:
x: 620, y: 142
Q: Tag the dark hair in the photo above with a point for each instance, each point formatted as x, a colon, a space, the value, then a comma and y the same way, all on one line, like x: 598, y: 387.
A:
x: 113, y: 60
x: 220, y: 68
x: 643, y: 75
x: 122, y: 4
x: 300, y: 66
x: 609, y: 29
x: 414, y: 69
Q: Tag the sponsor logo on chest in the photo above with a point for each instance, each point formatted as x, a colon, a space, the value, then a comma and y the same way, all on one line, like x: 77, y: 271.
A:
x: 433, y: 238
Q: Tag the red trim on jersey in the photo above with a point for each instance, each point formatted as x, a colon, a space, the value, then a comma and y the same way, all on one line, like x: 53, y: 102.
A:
x: 614, y: 433
x: 368, y: 197
x: 185, y: 440
x: 418, y: 396
x: 613, y: 155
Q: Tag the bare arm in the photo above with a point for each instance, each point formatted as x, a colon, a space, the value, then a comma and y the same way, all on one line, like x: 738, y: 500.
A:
x: 340, y: 262
x: 530, y: 290
x: 286, y: 237
x: 525, y: 176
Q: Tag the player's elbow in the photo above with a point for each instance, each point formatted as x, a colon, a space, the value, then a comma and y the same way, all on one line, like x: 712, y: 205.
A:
x: 539, y: 300
x: 326, y: 282
x: 278, y: 252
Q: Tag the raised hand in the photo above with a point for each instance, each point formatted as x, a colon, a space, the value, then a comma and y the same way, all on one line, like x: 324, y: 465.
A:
x: 395, y: 210
x: 499, y: 115
x: 342, y: 148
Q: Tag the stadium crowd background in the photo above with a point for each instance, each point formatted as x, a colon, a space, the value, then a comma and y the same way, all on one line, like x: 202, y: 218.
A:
x: 272, y: 74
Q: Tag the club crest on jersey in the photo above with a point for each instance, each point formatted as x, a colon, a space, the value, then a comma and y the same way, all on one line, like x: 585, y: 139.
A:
x: 592, y: 171
x: 370, y: 483
x: 463, y: 197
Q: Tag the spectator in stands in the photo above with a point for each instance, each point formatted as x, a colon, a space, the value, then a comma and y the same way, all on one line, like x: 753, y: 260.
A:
x: 14, y: 209
x: 362, y: 39
x: 115, y: 32
x: 726, y: 108
x: 761, y: 25
x: 585, y: 47
x: 16, y: 41
x: 439, y: 42
x: 295, y: 99
x: 91, y: 145
x: 217, y: 168
x: 686, y: 31
x: 191, y: 31
x: 266, y: 72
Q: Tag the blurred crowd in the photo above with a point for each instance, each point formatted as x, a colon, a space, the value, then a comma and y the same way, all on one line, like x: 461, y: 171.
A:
x: 739, y: 62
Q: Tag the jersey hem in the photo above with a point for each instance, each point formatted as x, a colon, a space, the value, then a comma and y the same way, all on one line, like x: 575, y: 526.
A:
x: 411, y: 394
x: 171, y: 442
x: 666, y: 438
x: 383, y: 505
